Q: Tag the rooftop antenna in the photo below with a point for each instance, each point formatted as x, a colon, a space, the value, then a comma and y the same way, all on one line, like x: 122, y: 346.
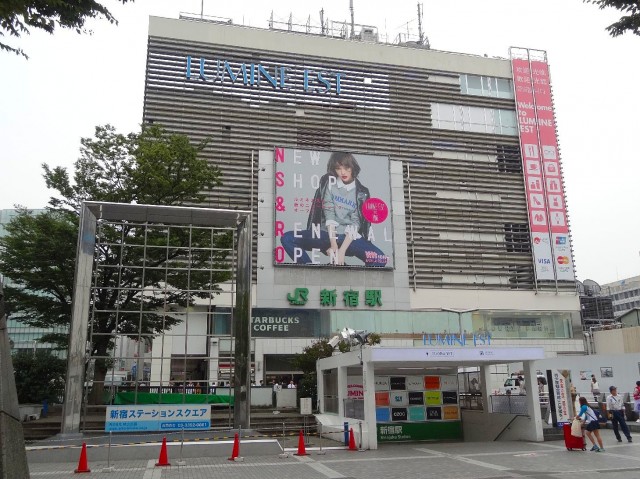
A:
x: 201, y: 9
x: 271, y: 21
x: 290, y: 24
x: 322, y: 21
x: 353, y: 27
x: 424, y: 40
x: 420, y: 32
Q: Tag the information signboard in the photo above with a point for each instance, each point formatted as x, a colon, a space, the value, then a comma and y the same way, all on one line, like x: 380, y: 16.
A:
x: 158, y: 417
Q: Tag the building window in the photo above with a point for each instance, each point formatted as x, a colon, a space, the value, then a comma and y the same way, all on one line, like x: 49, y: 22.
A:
x: 474, y: 119
x: 517, y: 238
x: 508, y: 158
x: 486, y: 86
x: 226, y: 134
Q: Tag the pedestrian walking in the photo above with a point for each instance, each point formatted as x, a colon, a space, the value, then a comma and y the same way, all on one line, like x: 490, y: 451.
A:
x: 636, y: 400
x: 595, y: 388
x: 590, y: 424
x: 615, y: 407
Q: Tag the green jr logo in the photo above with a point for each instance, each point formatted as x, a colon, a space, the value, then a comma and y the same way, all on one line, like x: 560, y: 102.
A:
x: 299, y: 297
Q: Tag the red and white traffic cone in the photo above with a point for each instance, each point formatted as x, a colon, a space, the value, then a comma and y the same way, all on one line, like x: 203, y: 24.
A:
x: 235, y: 454
x: 301, y: 449
x: 352, y: 441
x: 83, y: 466
x: 163, y: 460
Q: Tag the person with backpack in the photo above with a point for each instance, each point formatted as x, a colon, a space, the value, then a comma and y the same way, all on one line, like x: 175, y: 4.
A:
x: 591, y: 424
x: 636, y: 400
x: 615, y: 407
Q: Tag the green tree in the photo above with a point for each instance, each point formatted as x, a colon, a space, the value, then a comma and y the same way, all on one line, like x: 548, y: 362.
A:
x: 38, y: 253
x: 306, y: 362
x: 630, y: 22
x: 17, y: 17
x: 39, y: 376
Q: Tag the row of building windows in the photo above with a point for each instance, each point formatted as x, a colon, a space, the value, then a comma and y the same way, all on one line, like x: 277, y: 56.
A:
x: 632, y: 293
x: 474, y: 119
x: 627, y: 306
x: 486, y: 86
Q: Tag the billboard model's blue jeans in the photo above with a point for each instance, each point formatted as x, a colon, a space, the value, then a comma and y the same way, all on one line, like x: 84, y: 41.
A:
x: 364, y: 250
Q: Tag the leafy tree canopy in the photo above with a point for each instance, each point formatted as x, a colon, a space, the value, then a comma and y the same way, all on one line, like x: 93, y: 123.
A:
x: 306, y: 362
x: 17, y: 17
x: 630, y: 22
x: 38, y: 253
x: 39, y: 376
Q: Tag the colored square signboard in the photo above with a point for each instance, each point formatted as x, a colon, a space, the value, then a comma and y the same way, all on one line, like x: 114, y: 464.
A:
x: 325, y: 194
x: 398, y: 413
x: 433, y: 397
x: 449, y: 397
x: 382, y: 398
x: 159, y: 417
x: 398, y: 398
x: 415, y: 383
x: 432, y: 382
x: 383, y: 414
x: 434, y: 413
x: 449, y: 383
x: 416, y: 397
x: 416, y: 414
x: 450, y: 412
x: 382, y: 383
x: 398, y: 383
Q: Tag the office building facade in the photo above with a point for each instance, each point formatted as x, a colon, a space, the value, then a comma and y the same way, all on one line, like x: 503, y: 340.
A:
x: 458, y: 156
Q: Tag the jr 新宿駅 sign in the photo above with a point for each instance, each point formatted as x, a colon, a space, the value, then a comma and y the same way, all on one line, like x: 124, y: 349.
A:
x: 275, y: 77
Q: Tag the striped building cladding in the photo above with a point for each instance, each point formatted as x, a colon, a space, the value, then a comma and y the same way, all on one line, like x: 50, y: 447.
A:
x: 449, y: 118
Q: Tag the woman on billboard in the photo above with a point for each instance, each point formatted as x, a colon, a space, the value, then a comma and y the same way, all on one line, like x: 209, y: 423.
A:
x: 337, y: 225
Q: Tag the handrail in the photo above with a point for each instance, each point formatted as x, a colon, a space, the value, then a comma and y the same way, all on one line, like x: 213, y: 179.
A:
x: 507, y: 426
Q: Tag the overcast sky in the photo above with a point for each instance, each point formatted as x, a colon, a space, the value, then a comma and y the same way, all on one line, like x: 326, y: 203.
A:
x: 72, y: 83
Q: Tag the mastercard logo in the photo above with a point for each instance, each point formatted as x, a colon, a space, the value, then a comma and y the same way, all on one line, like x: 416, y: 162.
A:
x: 563, y: 260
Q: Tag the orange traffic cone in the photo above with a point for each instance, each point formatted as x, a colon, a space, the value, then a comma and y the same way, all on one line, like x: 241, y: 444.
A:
x: 163, y: 460
x: 301, y: 449
x: 352, y: 441
x: 82, y: 463
x: 236, y: 448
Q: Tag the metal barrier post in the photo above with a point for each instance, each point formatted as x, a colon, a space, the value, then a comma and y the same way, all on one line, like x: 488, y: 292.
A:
x: 346, y: 434
x: 284, y: 452
x: 109, y: 467
x: 181, y: 462
x: 360, y: 432
x: 321, y: 452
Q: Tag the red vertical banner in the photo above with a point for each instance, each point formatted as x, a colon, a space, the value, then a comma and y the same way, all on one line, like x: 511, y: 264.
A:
x: 554, y: 189
x: 532, y: 168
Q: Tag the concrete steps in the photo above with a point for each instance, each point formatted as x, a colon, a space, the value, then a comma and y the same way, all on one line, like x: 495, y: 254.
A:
x: 262, y: 421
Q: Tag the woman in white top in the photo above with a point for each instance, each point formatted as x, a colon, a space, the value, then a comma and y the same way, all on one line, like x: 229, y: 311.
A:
x: 595, y: 388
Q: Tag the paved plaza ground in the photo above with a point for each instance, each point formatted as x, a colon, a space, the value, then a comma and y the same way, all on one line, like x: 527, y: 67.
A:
x: 208, y: 459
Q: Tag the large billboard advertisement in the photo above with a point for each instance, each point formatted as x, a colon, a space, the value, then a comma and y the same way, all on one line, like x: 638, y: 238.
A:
x: 553, y: 174
x: 541, y: 170
x: 332, y: 208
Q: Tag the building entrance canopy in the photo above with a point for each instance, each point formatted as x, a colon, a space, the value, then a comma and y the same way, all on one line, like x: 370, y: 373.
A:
x: 413, y: 392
